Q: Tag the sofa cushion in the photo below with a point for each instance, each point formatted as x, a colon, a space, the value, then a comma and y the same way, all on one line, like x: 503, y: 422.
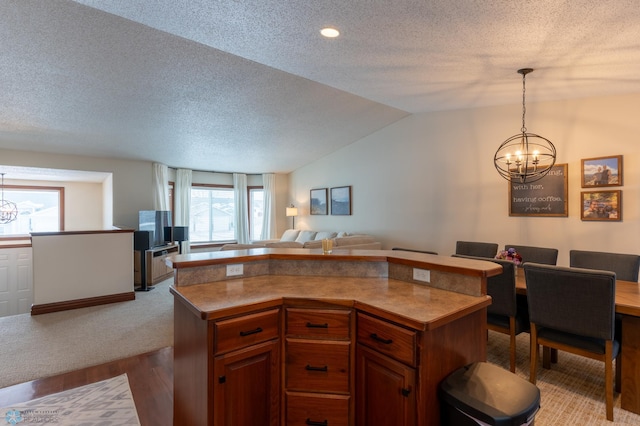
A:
x: 342, y: 234
x: 284, y: 244
x: 290, y: 235
x: 305, y: 236
x: 324, y: 234
x: 313, y: 244
x: 353, y: 240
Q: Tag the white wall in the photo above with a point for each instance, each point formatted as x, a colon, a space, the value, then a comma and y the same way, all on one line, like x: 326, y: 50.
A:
x: 429, y: 179
x: 131, y: 185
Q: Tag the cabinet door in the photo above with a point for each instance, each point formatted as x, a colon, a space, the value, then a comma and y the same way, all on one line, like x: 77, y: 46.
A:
x: 385, y: 393
x: 247, y: 386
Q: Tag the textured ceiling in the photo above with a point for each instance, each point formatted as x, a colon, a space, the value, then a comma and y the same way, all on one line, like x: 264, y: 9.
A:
x: 250, y: 85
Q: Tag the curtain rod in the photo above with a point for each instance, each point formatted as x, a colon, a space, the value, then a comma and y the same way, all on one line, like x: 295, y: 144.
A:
x: 213, y: 171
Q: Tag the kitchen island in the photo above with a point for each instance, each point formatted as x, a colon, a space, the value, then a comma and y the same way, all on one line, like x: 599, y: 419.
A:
x: 305, y: 338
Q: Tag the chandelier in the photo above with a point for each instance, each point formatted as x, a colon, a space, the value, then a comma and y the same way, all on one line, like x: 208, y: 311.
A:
x: 525, y: 157
x: 8, y: 209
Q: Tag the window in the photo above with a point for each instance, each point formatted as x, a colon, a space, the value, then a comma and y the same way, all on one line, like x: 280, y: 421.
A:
x: 212, y: 214
x: 40, y: 209
x: 256, y: 208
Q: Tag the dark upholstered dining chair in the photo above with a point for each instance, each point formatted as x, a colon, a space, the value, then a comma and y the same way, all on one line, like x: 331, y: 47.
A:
x: 503, y: 314
x: 572, y: 309
x: 414, y: 250
x: 547, y: 256
x: 626, y: 266
x: 478, y: 249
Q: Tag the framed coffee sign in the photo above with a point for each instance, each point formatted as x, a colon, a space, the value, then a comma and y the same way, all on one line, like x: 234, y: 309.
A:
x: 546, y: 197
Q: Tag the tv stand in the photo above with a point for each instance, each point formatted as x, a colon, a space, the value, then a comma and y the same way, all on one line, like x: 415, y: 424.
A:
x: 150, y: 267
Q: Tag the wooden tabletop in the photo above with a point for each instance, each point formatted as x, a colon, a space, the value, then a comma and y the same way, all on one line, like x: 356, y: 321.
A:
x: 627, y: 294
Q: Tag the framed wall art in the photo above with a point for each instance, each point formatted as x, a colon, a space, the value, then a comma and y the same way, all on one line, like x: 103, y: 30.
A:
x: 546, y: 197
x: 602, y: 171
x: 601, y: 205
x: 341, y: 200
x: 318, y: 200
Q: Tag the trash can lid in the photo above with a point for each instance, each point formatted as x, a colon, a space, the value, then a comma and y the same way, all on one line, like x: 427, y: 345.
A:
x: 491, y: 394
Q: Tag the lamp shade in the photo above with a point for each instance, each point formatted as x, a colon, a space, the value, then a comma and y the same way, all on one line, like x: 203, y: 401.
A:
x: 292, y: 211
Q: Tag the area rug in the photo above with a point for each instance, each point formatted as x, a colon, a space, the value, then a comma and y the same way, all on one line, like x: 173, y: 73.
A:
x: 105, y: 403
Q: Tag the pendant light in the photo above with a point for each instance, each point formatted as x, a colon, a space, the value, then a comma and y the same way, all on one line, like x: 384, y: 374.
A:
x: 8, y: 209
x: 525, y: 157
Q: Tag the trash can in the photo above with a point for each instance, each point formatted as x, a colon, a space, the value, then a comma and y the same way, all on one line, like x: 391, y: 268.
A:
x: 485, y: 394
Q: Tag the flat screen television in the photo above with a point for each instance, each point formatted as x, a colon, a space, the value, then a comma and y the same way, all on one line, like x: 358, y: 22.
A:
x: 154, y: 221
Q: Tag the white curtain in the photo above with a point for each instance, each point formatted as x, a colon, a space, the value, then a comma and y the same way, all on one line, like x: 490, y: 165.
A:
x: 242, y: 212
x: 182, y: 197
x: 269, y: 217
x: 160, y: 187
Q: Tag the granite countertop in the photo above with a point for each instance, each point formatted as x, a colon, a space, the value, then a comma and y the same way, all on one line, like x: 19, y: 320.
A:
x: 417, y: 306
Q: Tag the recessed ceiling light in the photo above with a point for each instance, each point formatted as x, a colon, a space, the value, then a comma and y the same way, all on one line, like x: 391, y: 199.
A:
x: 330, y: 32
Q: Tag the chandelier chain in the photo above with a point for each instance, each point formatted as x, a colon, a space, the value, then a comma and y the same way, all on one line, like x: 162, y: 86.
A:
x: 524, y: 108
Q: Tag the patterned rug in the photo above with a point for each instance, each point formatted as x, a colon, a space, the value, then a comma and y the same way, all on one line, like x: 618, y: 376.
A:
x: 105, y: 403
x: 571, y: 392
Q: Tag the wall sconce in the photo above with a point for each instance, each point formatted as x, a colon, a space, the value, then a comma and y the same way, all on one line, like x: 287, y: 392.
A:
x: 292, y: 212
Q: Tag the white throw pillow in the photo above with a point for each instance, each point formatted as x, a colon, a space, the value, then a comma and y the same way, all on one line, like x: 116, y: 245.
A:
x: 290, y: 235
x: 325, y: 234
x: 305, y: 236
x: 342, y: 234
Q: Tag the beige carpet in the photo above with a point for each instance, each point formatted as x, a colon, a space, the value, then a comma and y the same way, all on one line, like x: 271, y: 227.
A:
x: 572, y: 391
x: 105, y: 403
x: 39, y: 346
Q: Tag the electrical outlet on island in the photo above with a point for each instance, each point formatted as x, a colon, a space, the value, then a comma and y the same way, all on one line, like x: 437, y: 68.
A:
x: 233, y: 270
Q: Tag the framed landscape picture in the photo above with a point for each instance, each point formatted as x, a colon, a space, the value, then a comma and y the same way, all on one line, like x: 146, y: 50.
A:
x: 341, y: 200
x: 602, y: 171
x: 601, y: 205
x: 318, y: 201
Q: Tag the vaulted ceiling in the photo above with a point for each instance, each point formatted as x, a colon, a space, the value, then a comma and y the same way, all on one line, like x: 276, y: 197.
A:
x: 251, y: 86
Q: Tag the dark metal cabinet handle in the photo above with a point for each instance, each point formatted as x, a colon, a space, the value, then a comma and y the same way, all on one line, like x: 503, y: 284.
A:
x: 312, y: 423
x: 405, y: 391
x: 312, y: 368
x: 250, y: 332
x: 312, y: 325
x: 375, y: 337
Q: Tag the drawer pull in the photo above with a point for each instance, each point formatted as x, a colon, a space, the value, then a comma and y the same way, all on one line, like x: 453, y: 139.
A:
x: 312, y: 368
x: 312, y: 325
x: 250, y: 332
x: 406, y: 391
x: 313, y: 423
x: 377, y: 338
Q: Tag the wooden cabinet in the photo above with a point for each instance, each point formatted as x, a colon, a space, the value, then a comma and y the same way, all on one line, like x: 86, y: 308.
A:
x: 386, y: 390
x: 227, y: 370
x: 318, y: 376
x: 152, y: 264
x: 247, y: 386
x: 386, y: 374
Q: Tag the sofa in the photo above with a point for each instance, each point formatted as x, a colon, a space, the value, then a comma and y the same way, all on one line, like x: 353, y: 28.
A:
x: 295, y: 238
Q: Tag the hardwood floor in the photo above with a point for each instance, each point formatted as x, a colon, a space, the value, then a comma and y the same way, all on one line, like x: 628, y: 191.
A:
x: 150, y: 378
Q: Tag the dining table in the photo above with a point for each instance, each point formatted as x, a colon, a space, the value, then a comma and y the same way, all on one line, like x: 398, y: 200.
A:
x: 628, y: 305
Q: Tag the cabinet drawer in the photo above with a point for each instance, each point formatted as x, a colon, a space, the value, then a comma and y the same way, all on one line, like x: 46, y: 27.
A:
x: 392, y: 340
x: 324, y: 323
x: 317, y: 409
x: 319, y: 366
x: 246, y: 330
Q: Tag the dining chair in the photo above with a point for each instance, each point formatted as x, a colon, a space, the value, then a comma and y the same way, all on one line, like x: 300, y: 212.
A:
x: 572, y: 309
x: 626, y: 266
x: 547, y: 256
x: 475, y: 248
x: 414, y: 250
x: 503, y: 314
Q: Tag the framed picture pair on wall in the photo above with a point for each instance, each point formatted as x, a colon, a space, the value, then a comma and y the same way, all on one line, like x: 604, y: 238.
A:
x: 340, y: 200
